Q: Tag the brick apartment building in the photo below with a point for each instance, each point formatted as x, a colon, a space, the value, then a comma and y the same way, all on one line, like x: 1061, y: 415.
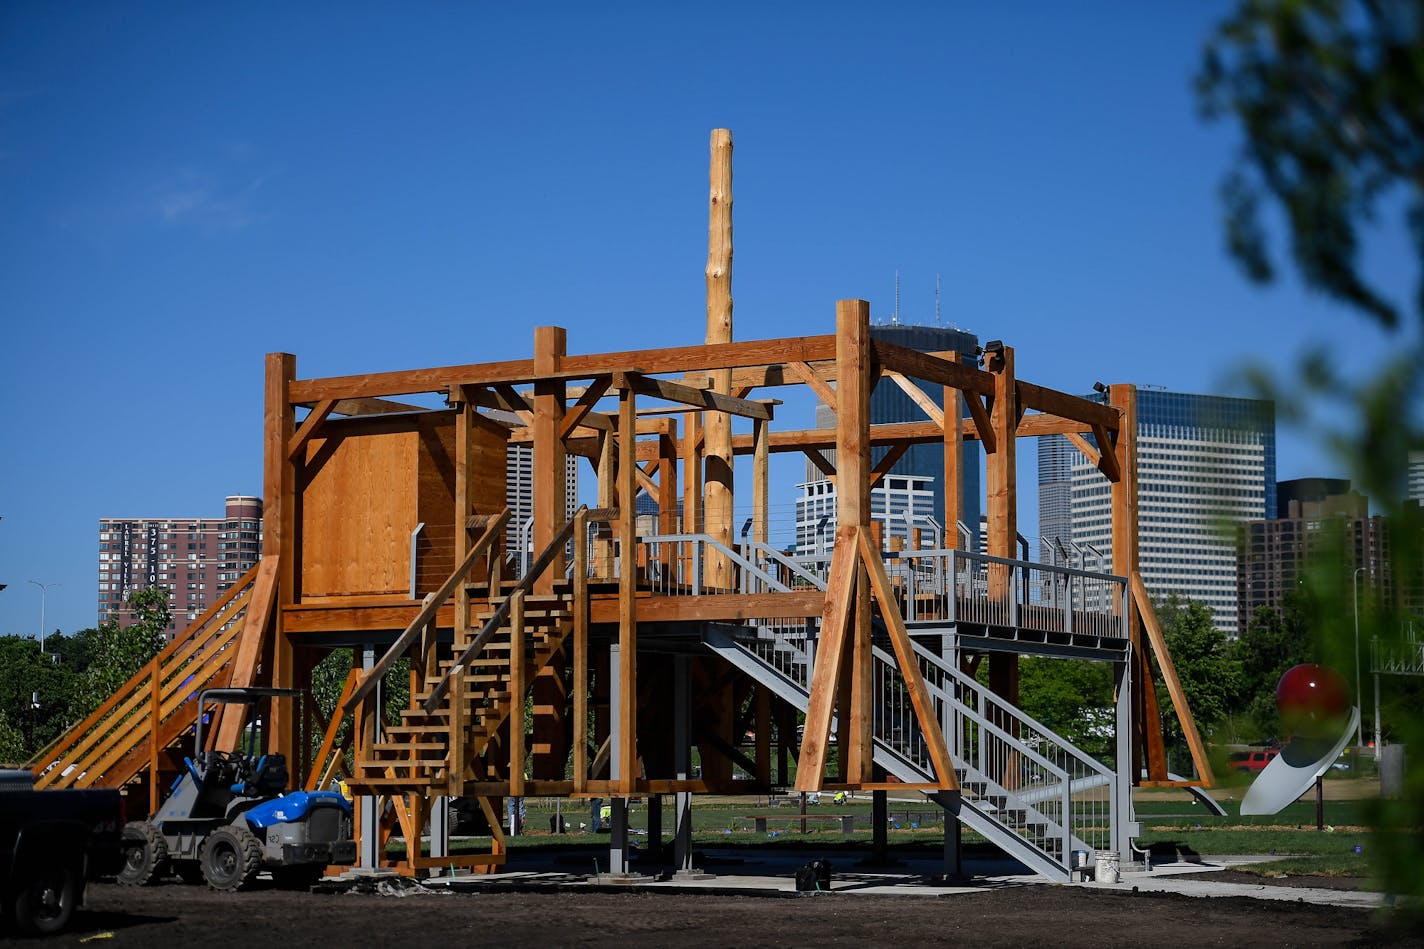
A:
x: 194, y: 559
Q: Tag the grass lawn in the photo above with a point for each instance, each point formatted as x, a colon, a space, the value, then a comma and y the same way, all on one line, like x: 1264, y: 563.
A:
x: 1170, y: 828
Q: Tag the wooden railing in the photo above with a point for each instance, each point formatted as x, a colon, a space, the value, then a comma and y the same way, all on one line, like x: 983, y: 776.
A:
x: 153, y: 709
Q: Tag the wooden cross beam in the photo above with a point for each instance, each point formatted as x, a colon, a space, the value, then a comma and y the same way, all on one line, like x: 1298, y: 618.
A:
x: 687, y: 395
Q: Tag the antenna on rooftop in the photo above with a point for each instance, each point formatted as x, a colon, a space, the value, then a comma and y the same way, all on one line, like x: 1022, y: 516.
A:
x: 896, y: 318
x: 937, y: 322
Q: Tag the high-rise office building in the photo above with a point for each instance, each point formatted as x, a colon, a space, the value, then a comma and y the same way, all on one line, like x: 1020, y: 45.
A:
x: 898, y: 502
x: 1205, y: 464
x: 1416, y: 476
x: 919, y: 474
x: 1055, y: 499
x: 195, y: 559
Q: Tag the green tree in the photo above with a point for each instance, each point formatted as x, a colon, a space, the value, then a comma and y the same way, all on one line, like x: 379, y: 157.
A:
x: 12, y: 743
x: 1072, y: 697
x: 35, y: 693
x: 1208, y: 671
x: 118, y: 652
x: 1273, y: 641
x: 1329, y: 97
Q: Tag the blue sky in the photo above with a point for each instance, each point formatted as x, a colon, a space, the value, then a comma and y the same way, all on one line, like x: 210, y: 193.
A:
x: 185, y: 187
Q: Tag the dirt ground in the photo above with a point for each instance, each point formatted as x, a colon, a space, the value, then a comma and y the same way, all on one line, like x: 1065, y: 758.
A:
x: 1004, y: 916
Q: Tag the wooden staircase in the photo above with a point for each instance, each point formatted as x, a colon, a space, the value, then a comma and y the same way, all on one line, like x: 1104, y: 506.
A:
x: 466, y: 737
x: 140, y: 729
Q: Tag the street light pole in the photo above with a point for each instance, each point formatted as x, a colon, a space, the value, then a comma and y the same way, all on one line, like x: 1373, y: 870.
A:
x: 44, y: 589
x: 1359, y: 696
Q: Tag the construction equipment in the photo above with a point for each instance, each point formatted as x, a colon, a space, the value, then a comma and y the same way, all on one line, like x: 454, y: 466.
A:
x: 229, y: 816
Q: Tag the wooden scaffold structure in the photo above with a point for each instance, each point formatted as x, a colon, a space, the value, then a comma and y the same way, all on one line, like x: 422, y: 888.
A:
x: 595, y: 665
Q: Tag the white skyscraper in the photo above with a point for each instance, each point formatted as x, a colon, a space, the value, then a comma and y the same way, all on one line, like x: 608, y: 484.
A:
x: 1416, y: 475
x: 1204, y: 464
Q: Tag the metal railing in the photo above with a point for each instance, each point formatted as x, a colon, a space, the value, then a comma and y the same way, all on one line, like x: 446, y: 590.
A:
x: 1020, y: 754
x: 956, y: 586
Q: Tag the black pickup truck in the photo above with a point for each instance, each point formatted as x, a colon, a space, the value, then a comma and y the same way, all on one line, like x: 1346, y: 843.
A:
x: 51, y: 844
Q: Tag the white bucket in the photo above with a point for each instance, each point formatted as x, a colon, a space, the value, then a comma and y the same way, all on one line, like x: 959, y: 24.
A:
x: 1107, y: 869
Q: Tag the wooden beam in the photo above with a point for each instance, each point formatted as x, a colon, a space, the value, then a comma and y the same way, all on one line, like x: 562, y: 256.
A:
x: 1107, y: 460
x: 627, y: 593
x: 689, y: 450
x: 930, y: 368
x: 822, y: 463
x: 761, y: 488
x: 318, y: 414
x: 696, y: 359
x: 1169, y: 676
x: 256, y: 622
x: 1063, y: 405
x: 918, y: 396
x: 813, y: 379
x: 518, y: 686
x: 920, y: 699
x: 953, y: 460
x: 1001, y: 468
x: 590, y: 397
x: 825, y: 676
x: 550, y: 474
x: 687, y: 395
x: 279, y: 536
x: 509, y: 399
x: 580, y: 650
x: 1094, y: 457
x: 983, y: 424
x: 353, y: 407
x: 886, y: 462
x: 853, y: 372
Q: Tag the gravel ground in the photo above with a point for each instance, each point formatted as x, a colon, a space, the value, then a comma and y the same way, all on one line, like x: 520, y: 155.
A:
x: 996, y: 916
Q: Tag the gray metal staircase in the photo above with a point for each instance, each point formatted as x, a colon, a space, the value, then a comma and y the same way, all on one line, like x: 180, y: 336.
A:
x: 1022, y: 787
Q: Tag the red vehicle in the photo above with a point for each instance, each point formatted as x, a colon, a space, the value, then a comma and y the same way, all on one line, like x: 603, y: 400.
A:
x: 1247, y: 761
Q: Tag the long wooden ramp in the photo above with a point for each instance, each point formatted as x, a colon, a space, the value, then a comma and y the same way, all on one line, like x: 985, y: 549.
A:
x: 151, y: 713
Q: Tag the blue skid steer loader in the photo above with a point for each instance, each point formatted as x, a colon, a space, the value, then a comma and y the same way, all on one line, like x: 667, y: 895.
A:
x: 229, y: 816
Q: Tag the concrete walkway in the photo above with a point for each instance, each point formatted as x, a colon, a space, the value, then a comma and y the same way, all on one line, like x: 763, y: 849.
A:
x: 773, y: 874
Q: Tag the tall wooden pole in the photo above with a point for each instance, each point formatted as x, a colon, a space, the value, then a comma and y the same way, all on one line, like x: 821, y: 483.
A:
x: 953, y: 462
x: 1146, y: 722
x: 550, y: 749
x: 718, y: 503
x: 853, y: 510
x: 279, y: 540
x: 1001, y: 468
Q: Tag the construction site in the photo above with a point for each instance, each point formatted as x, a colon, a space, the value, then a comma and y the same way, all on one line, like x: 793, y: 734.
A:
x: 626, y: 658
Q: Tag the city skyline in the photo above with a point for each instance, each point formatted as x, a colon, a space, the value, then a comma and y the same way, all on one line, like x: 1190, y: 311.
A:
x: 171, y: 218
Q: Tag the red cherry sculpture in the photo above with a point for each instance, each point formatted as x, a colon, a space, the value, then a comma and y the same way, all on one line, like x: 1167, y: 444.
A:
x: 1314, y: 701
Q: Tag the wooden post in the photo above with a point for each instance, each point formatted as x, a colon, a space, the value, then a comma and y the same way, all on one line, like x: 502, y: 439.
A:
x: 853, y: 510
x: 718, y: 507
x: 550, y: 477
x: 580, y: 648
x: 692, y: 436
x: 627, y: 591
x: 953, y: 462
x: 1002, y: 472
x: 155, y: 714
x: 279, y: 533
x: 550, y: 515
x: 607, y: 498
x: 1146, y: 726
x: 761, y: 468
x: 518, y: 686
x: 465, y: 474
x: 667, y: 493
